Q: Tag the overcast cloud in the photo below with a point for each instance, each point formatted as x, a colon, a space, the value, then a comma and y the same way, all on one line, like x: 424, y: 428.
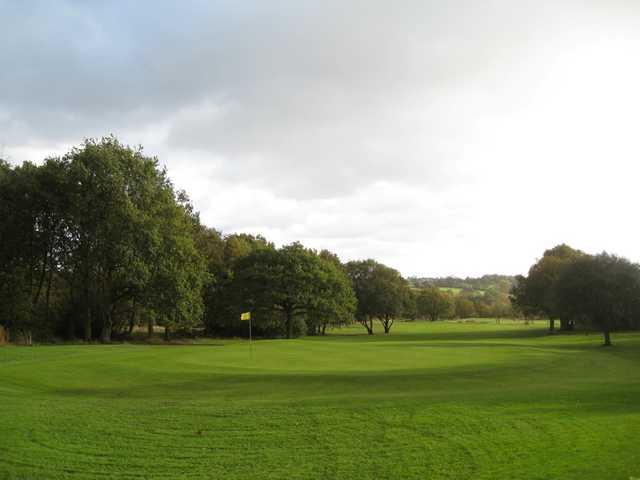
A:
x: 440, y: 138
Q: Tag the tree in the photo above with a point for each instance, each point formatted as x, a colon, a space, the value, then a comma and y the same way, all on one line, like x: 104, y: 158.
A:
x: 518, y: 295
x: 535, y: 293
x: 409, y: 304
x: 381, y: 292
x: 175, y: 288
x: 99, y: 234
x: 361, y: 273
x: 333, y: 302
x: 464, y: 307
x: 132, y: 240
x: 601, y: 290
x: 433, y: 303
x: 221, y: 298
x: 294, y: 283
x: 32, y: 234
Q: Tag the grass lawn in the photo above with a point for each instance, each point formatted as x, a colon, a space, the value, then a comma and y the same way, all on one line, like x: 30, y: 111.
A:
x: 430, y: 401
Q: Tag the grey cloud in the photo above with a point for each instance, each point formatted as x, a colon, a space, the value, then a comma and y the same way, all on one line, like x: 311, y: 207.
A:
x: 311, y: 100
x: 365, y: 127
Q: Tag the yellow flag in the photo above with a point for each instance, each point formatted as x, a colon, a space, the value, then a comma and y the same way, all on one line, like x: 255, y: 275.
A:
x: 245, y: 316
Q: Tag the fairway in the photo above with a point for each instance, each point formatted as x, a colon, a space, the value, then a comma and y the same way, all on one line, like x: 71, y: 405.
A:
x: 443, y: 400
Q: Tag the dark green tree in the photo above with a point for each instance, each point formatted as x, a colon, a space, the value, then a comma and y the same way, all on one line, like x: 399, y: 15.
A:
x: 292, y: 283
x: 334, y: 302
x: 90, y: 240
x: 602, y: 291
x: 536, y: 292
x: 381, y: 292
x: 222, y: 299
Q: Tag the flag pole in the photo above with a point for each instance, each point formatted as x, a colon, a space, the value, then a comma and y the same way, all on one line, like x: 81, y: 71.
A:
x: 247, y: 316
x: 250, y: 342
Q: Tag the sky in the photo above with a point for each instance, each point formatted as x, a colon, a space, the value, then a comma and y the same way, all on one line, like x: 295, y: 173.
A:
x: 438, y: 137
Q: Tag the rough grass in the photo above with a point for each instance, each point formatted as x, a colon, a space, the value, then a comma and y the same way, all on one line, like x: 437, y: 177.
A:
x: 431, y: 401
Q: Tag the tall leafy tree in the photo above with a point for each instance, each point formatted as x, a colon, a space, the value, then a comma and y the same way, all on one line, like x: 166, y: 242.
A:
x: 535, y: 293
x: 222, y: 298
x: 293, y: 283
x: 102, y: 231
x: 334, y: 301
x: 602, y: 291
x: 32, y: 240
x: 381, y: 292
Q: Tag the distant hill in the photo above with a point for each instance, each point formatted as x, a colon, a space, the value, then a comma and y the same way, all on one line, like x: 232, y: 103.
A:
x: 487, y: 283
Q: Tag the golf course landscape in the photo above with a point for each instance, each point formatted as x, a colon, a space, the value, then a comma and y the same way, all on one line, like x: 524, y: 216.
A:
x: 469, y: 399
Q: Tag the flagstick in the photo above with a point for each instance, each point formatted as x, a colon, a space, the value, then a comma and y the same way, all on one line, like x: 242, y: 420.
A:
x: 250, y: 343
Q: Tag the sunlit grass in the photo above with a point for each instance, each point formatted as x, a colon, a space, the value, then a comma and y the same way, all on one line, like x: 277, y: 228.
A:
x: 432, y: 400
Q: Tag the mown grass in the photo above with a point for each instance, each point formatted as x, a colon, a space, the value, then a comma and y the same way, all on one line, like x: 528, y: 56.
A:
x: 440, y: 401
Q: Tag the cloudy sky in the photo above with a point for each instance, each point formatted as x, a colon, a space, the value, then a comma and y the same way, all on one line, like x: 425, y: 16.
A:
x: 439, y: 137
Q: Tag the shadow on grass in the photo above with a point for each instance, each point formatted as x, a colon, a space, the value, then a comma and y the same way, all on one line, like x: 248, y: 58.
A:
x: 482, y: 386
x: 449, y: 335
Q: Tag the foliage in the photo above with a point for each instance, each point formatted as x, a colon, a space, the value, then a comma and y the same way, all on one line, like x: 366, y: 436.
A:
x: 497, y: 283
x: 293, y: 283
x: 535, y: 293
x: 381, y: 292
x: 463, y: 307
x: 601, y: 290
x: 433, y: 303
x: 93, y: 239
x: 221, y: 314
x: 489, y: 294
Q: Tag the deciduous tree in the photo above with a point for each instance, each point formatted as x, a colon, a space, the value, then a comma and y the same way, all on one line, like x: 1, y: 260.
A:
x: 601, y: 290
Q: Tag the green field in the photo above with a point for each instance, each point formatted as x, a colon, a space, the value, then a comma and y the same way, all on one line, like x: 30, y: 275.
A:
x: 431, y: 401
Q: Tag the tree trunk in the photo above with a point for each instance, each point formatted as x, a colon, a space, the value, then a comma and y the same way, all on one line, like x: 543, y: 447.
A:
x: 289, y: 323
x: 566, y: 325
x: 87, y: 324
x: 387, y: 323
x: 324, y: 328
x: 26, y: 337
x: 552, y: 325
x: 87, y: 306
x: 132, y: 318
x: 607, y: 337
x: 48, y: 295
x: 150, y: 326
x: 105, y: 333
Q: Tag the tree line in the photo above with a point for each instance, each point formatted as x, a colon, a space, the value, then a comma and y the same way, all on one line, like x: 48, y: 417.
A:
x: 483, y: 297
x: 98, y: 242
x: 574, y: 288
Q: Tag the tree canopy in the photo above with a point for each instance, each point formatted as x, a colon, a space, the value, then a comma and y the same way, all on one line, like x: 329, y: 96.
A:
x: 381, y: 292
x: 433, y: 303
x: 102, y: 234
x: 602, y: 291
x: 294, y: 282
x: 535, y: 293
